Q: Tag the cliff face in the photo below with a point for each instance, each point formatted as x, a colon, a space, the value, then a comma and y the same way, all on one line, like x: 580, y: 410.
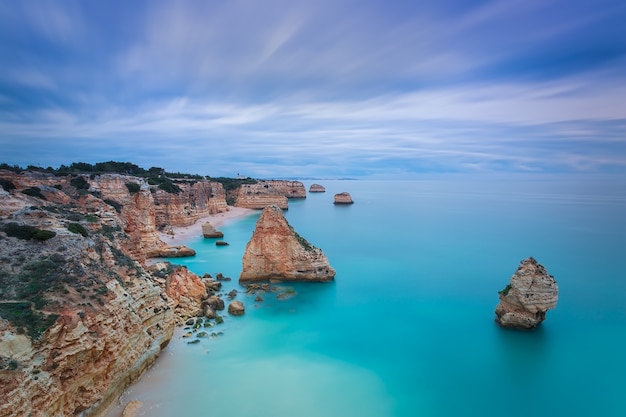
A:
x: 269, y: 192
x: 80, y: 317
x: 192, y: 202
x: 530, y: 294
x: 277, y: 252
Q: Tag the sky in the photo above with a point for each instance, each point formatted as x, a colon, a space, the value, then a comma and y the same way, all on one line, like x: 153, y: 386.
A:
x: 324, y: 88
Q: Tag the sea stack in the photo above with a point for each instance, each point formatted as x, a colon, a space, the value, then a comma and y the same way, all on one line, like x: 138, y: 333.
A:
x: 209, y: 231
x: 317, y: 188
x: 343, y: 198
x: 276, y: 252
x: 530, y: 293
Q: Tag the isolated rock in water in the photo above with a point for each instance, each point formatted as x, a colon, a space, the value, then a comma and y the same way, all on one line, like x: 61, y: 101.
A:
x: 236, y: 308
x: 277, y: 252
x: 343, y: 198
x: 525, y: 300
x: 177, y: 252
x: 209, y: 231
x: 221, y: 243
x: 316, y: 188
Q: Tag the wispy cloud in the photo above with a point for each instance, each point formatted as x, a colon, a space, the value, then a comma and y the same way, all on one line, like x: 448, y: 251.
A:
x: 316, y: 88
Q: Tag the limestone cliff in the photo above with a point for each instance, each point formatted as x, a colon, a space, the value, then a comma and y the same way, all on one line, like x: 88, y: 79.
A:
x: 277, y: 252
x: 269, y: 192
x: 530, y: 293
x: 80, y: 315
x: 194, y: 200
x: 343, y: 198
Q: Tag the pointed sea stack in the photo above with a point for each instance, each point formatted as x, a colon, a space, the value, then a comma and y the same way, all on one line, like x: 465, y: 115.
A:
x: 276, y: 252
x: 525, y: 300
x: 343, y: 198
x: 317, y: 188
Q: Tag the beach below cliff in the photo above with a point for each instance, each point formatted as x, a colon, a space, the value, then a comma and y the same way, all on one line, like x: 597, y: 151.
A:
x: 181, y: 235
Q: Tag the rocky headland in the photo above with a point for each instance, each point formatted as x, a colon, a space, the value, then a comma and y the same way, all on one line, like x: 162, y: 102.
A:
x: 81, y: 314
x: 343, y: 198
x: 267, y: 193
x: 530, y: 293
x: 276, y: 252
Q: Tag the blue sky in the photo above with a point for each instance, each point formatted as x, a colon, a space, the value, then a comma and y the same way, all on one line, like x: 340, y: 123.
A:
x: 316, y: 88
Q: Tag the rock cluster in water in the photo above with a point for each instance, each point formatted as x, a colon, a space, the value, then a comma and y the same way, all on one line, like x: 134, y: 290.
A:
x: 530, y: 293
x: 277, y: 252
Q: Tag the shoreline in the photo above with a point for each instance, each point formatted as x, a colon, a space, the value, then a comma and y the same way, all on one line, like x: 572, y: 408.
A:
x: 182, y: 234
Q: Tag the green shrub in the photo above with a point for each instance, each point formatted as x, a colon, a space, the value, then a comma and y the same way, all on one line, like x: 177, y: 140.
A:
x: 505, y: 290
x: 133, y: 187
x: 117, y: 206
x: 34, y: 192
x: 80, y: 183
x: 27, y: 232
x: 43, y: 235
x: 23, y: 317
x: 78, y: 229
x: 7, y: 185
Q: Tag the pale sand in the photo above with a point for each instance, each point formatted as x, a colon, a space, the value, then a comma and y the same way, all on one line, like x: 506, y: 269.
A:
x: 183, y: 234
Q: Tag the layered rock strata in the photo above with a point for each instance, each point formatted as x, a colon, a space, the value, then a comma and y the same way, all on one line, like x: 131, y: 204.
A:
x: 530, y: 293
x: 343, y: 198
x: 269, y: 192
x: 195, y: 200
x: 81, y: 317
x: 209, y: 231
x: 277, y: 252
x: 317, y: 188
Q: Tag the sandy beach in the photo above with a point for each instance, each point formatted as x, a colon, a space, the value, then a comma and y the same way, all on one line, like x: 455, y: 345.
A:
x: 183, y: 234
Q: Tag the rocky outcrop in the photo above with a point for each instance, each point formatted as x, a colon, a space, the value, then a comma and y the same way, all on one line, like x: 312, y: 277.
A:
x: 317, y: 188
x: 209, y: 231
x: 194, y: 200
x: 269, y: 192
x: 81, y: 317
x: 530, y: 293
x: 343, y: 198
x: 236, y: 308
x: 277, y: 252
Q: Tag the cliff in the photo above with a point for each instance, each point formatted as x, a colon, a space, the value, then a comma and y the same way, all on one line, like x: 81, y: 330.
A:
x: 277, y: 252
x: 343, y: 198
x: 194, y: 200
x: 269, y: 192
x: 81, y: 317
x: 530, y: 293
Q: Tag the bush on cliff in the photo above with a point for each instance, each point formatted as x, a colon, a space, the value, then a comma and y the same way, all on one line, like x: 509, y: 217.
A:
x: 133, y: 187
x: 27, y: 232
x: 7, y: 185
x: 26, y: 320
x: 34, y: 192
x: 78, y: 229
x: 80, y: 183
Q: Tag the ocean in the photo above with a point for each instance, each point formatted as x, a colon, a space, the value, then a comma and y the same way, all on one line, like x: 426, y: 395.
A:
x: 407, y: 328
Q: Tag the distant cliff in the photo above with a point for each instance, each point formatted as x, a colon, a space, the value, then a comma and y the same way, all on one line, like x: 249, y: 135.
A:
x: 277, y: 252
x: 269, y: 192
x: 81, y: 316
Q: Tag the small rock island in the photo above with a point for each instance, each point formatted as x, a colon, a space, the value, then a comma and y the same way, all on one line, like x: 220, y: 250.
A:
x: 530, y: 293
x: 317, y: 188
x: 343, y: 198
x: 276, y: 252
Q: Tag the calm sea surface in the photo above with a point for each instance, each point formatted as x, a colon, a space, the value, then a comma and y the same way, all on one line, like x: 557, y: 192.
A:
x: 407, y: 327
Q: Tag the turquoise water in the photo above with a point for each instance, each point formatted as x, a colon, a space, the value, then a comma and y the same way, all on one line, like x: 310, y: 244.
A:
x: 407, y: 327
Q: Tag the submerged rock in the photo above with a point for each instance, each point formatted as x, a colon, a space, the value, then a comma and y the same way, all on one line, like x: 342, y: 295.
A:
x: 530, y: 293
x: 277, y: 252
